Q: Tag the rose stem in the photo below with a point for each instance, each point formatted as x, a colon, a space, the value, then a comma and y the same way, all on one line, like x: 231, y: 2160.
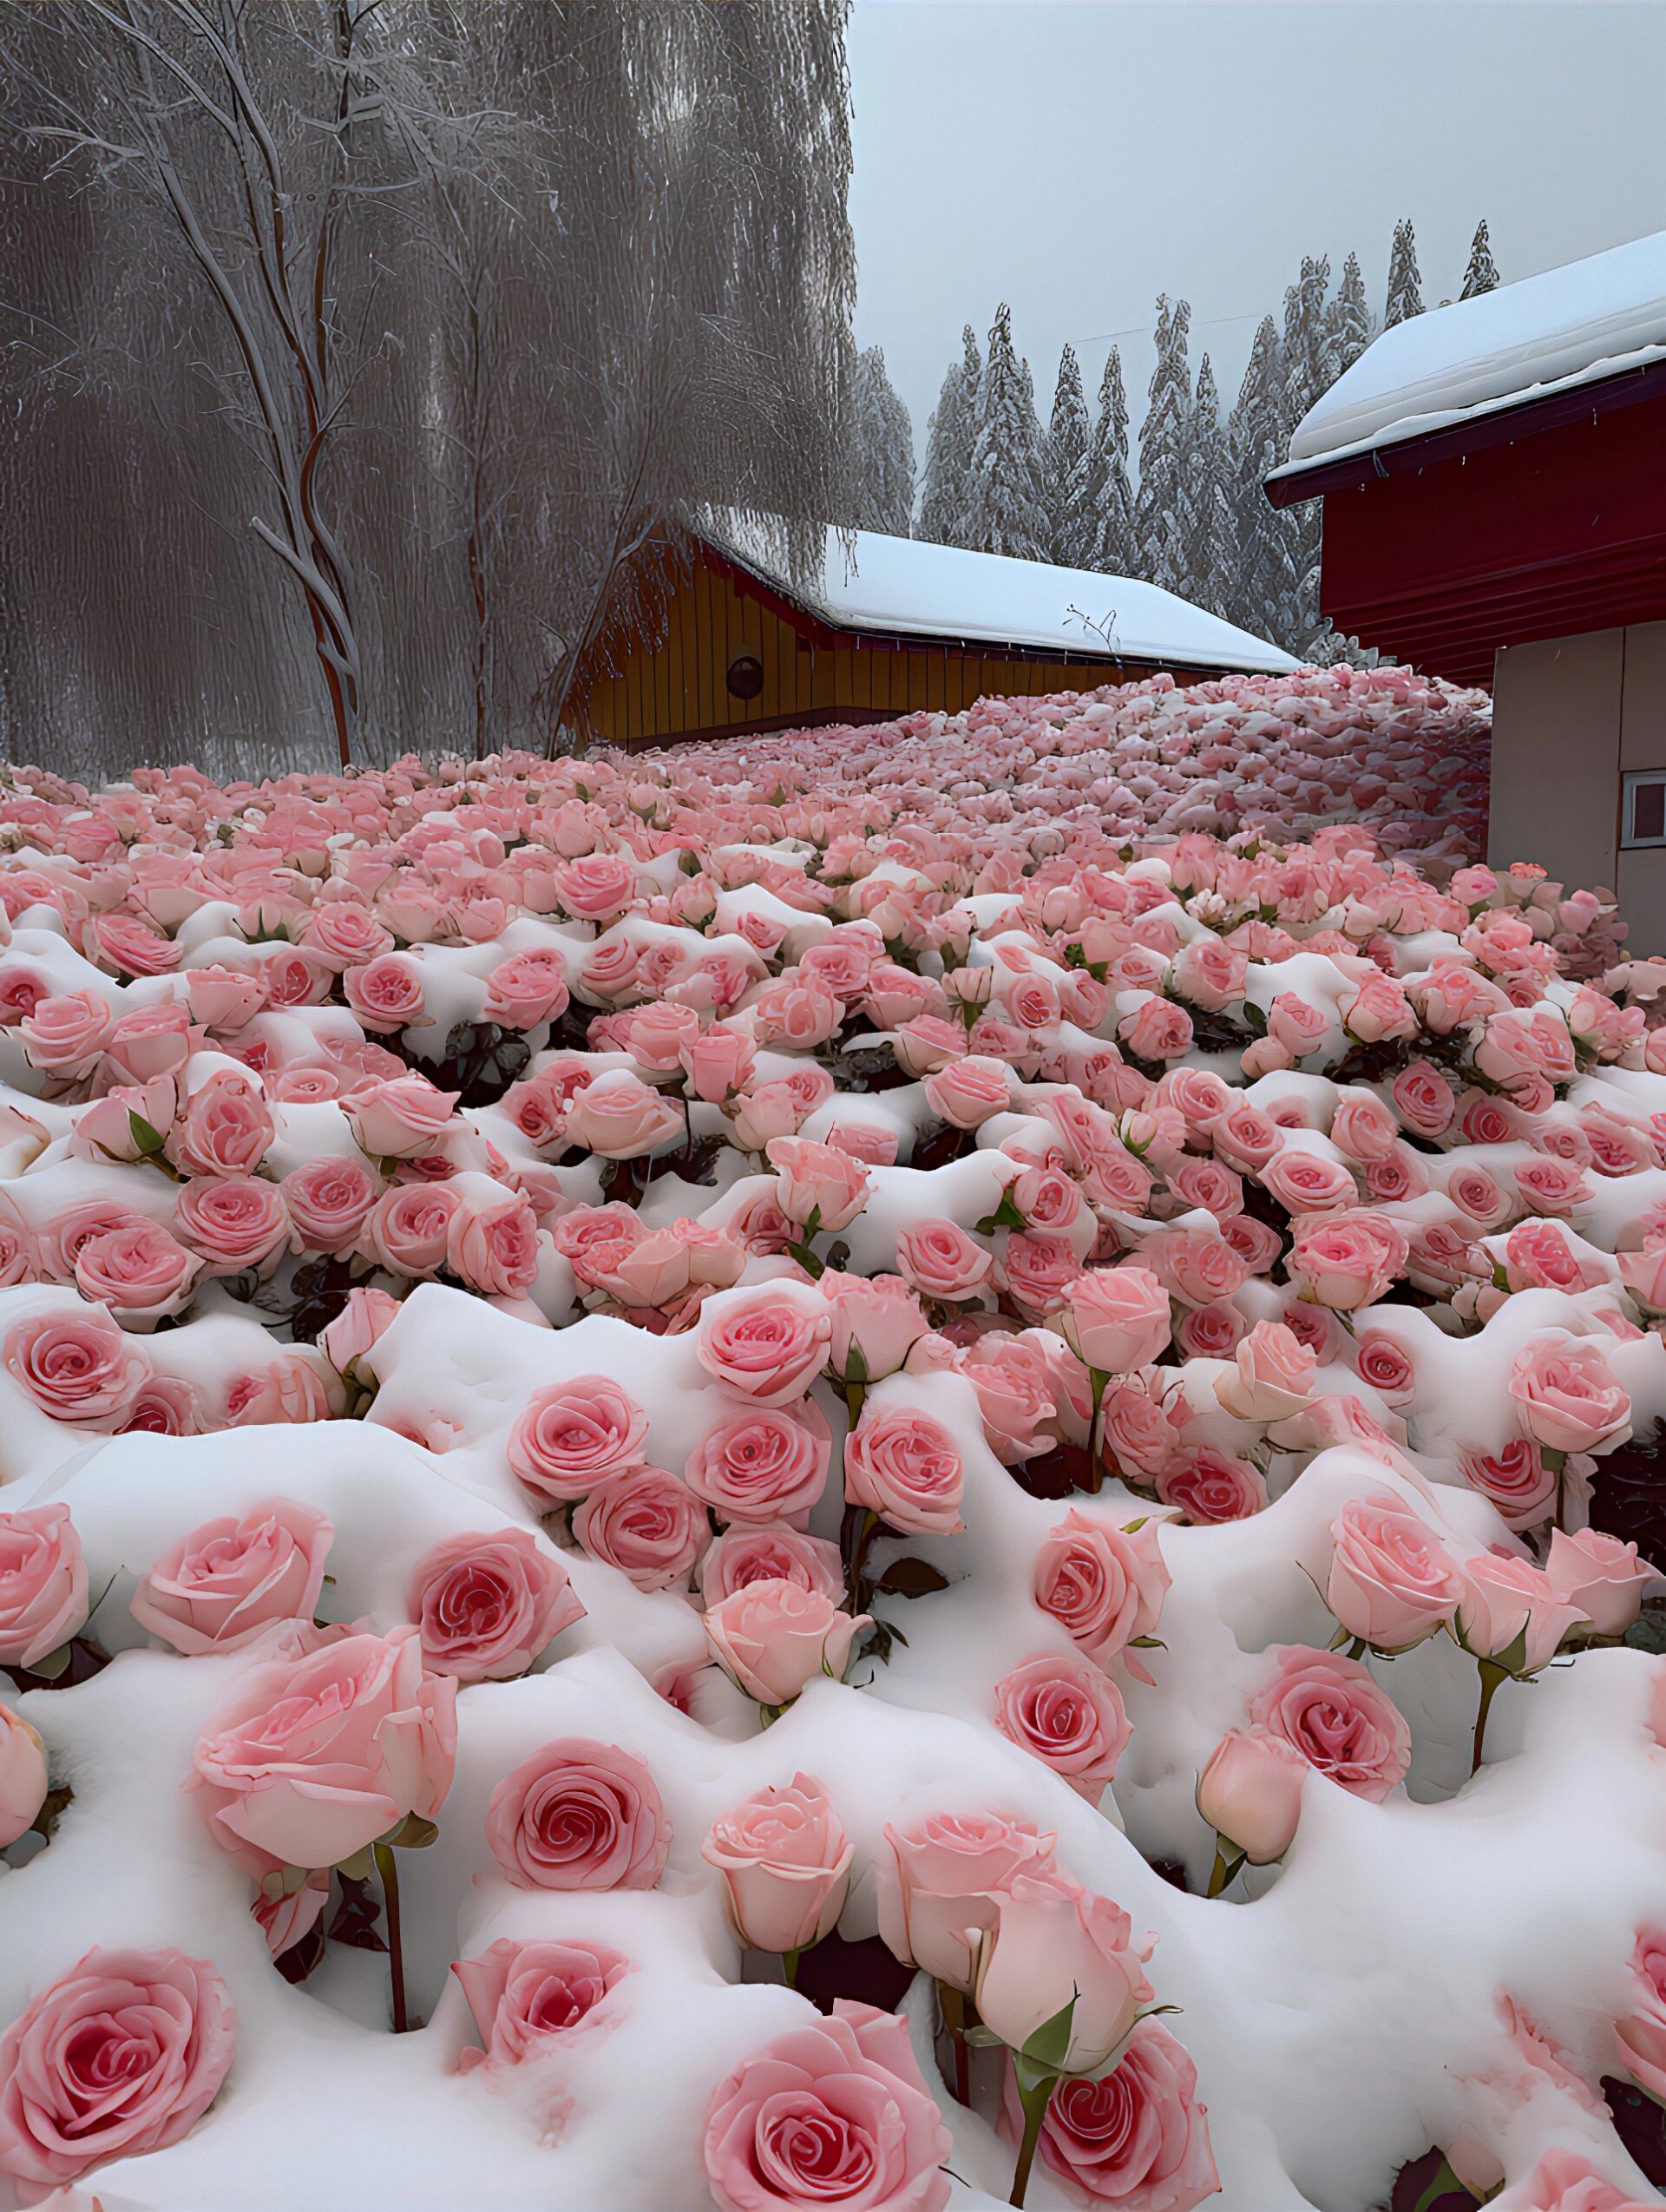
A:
x: 390, y: 1873
x: 1218, y: 1876
x: 1035, y: 2110
x: 789, y: 1960
x: 859, y: 1534
x: 951, y: 2004
x: 1491, y: 1677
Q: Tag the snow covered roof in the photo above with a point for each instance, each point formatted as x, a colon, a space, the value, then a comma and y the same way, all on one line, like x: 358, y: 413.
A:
x: 905, y: 588
x: 1523, y: 341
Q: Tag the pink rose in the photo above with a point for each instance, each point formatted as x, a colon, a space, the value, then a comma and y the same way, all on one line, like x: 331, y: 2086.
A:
x: 524, y: 1995
x: 1567, y: 1397
x: 1509, y: 1612
x: 232, y: 1222
x: 1137, y: 2136
x: 579, y: 1814
x: 23, y: 1776
x: 1210, y: 1488
x: 597, y: 886
x: 1305, y: 1183
x: 328, y: 1200
x: 786, y: 1860
x: 525, y: 990
x: 488, y: 1603
x: 1424, y: 1099
x: 1104, y: 1587
x: 222, y: 999
x: 316, y: 1757
x: 646, y: 1523
x: 951, y: 1871
x: 769, y: 1342
x: 718, y: 1063
x: 816, y: 1184
x: 299, y: 1387
x: 941, y: 1261
x: 743, y: 1555
x: 1349, y: 1260
x: 1517, y: 1480
x: 1331, y: 1711
x: 1157, y: 1030
x: 136, y: 1269
x: 64, y: 1036
x: 166, y: 1406
x: 408, y: 1230
x: 834, y: 2112
x: 1051, y: 1937
x: 343, y: 934
x: 1642, y: 2031
x: 386, y: 994
x: 149, y: 1042
x: 491, y: 1242
x: 122, y: 2054
x: 1602, y: 1576
x: 1067, y: 1714
x: 402, y: 1117
x: 619, y: 1116
x: 570, y: 1436
x: 360, y: 1325
x: 218, y: 1587
x: 1196, y: 1266
x: 761, y: 1464
x: 774, y: 1637
x: 875, y: 1322
x: 76, y: 1366
x: 1564, y: 2181
x: 1117, y: 1319
x: 225, y: 1129
x: 1391, y: 1582
x: 1250, y: 1792
x: 966, y: 1092
x: 905, y: 1467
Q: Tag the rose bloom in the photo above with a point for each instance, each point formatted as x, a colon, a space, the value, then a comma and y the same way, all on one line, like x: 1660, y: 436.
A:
x: 488, y: 1603
x: 1103, y: 1585
x: 1349, y: 1260
x: 1331, y: 1711
x: 1250, y: 1792
x: 408, y: 1230
x: 166, y: 1406
x: 832, y: 2113
x: 76, y: 1366
x: 1053, y: 1936
x: 1272, y: 1375
x: 1306, y: 1182
x: 327, y: 1200
x: 401, y: 1118
x: 225, y: 1128
x: 940, y: 1260
x: 43, y: 1584
x: 570, y: 1436
x: 1210, y: 1332
x: 1037, y: 1271
x: 525, y: 990
x: 1069, y: 1714
x: 773, y: 1553
x: 1210, y: 1488
x: 816, y: 1183
x: 316, y: 1757
x: 619, y: 1116
x: 491, y: 1241
x: 299, y: 1387
x: 1196, y: 1266
x: 224, y: 999
x: 774, y: 1637
x: 767, y: 1341
x: 386, y: 994
x: 967, y: 1092
x: 1392, y: 1581
x: 1641, y: 2030
x: 903, y: 1465
x: 137, y: 1269
x: 218, y: 1587
x: 876, y: 1320
x: 761, y: 1464
x: 23, y: 1777
x: 1603, y: 1576
x: 122, y: 2054
x: 527, y: 1995
x: 63, y: 1035
x: 1505, y: 1601
x: 1117, y: 1319
x: 1137, y: 2136
x: 952, y: 1869
x: 233, y: 1223
x: 1567, y: 1397
x: 1517, y: 1481
x: 1424, y: 1099
x: 786, y: 1861
x: 579, y: 1814
x: 646, y: 1523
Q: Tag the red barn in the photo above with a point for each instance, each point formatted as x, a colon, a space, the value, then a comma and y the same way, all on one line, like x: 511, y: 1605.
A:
x: 1494, y: 476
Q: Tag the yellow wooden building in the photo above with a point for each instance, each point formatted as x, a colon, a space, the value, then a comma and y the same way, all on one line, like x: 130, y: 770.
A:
x: 895, y: 627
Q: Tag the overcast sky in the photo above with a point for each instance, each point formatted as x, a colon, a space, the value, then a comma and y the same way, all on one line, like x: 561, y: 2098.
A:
x: 1076, y: 157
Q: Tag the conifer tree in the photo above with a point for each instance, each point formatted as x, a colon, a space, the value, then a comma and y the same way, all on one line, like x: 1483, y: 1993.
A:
x: 1404, y: 293
x: 1158, y: 524
x: 1006, y: 506
x: 880, y: 450
x: 1349, y: 332
x: 1111, y: 496
x: 1070, y: 518
x: 945, y: 481
x: 1208, y: 522
x: 1482, y: 274
x: 1265, y: 602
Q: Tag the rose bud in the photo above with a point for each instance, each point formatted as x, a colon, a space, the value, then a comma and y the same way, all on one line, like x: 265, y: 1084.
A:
x: 774, y: 1637
x: 1250, y: 1793
x: 1116, y: 1319
x: 23, y: 1775
x: 786, y: 1859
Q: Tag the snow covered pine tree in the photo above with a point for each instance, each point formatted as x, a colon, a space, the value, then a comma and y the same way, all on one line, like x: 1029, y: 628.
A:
x: 945, y: 481
x: 1006, y: 506
x: 1404, y: 293
x: 880, y: 451
x: 1065, y: 470
x: 1482, y: 274
x: 1109, y: 494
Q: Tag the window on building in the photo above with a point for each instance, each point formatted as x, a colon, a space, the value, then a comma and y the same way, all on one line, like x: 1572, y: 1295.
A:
x: 1642, y: 820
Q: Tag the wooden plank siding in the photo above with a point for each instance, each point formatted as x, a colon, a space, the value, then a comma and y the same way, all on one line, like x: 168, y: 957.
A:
x: 678, y: 689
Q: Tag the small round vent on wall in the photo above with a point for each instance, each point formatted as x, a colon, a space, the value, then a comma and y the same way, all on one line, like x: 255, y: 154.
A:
x: 745, y: 676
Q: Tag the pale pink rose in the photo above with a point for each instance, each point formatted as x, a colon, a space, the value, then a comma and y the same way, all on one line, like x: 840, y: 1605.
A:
x: 1210, y: 1332
x: 834, y: 2111
x: 316, y: 1757
x: 1195, y: 1265
x: 1272, y: 1377
x: 769, y: 1342
x: 940, y: 1260
x: 1210, y: 975
x: 786, y: 1861
x: 23, y: 1776
x: 136, y: 1269
x: 218, y: 1587
x: 64, y: 1036
x: 1333, y: 1712
x: 1052, y: 1936
x: 149, y: 1042
x: 765, y: 1112
x: 408, y: 1230
x: 656, y: 1033
x: 1014, y: 1384
x: 76, y: 1367
x: 579, y: 1814
x: 745, y: 1554
x: 526, y: 1996
x: 1517, y: 1480
x: 1299, y: 1027
x: 362, y: 1323
x: 301, y: 1387
x: 1245, y: 1137
x: 343, y: 934
x: 1546, y: 1184
x: 619, y: 1116
x: 718, y: 1063
x: 646, y: 1523
x: 967, y: 1092
x: 127, y: 1122
x: 816, y: 1184
x: 1069, y: 1714
x: 951, y: 1871
x: 527, y: 989
x: 402, y: 1117
x: 122, y: 2054
x: 762, y: 1463
x: 876, y: 1320
x: 1157, y: 1030
x: 570, y: 1436
x: 1250, y: 1792
x: 1117, y: 1319
x: 1565, y: 2181
x: 1349, y: 1260
x: 1037, y: 1271
x: 290, y: 1917
x: 225, y: 1128
x: 297, y: 975
x: 1603, y: 1576
x: 928, y: 1044
x: 1392, y: 1581
x: 1644, y: 1275
x: 1103, y: 1585
x: 223, y: 999
x: 491, y: 1241
x: 1510, y: 1612
x: 774, y: 1637
x: 1424, y: 1099
x: 488, y: 1603
x: 328, y: 1200
x: 1308, y: 1183
x: 1363, y: 1128
x: 166, y: 1406
x: 1381, y: 1362
x: 233, y: 1223
x: 1641, y: 2030
x: 905, y: 1467
x: 795, y: 1017
x: 1380, y: 1008
x: 386, y: 994
x: 1137, y: 2136
x: 1567, y: 1397
x: 1210, y: 1488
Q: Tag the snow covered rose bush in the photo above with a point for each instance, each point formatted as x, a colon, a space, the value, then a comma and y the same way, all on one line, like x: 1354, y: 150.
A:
x: 857, y: 1469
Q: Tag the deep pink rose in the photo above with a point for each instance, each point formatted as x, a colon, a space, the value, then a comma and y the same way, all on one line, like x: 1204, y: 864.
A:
x: 316, y: 1757
x: 1104, y: 1587
x: 647, y: 1524
x: 786, y: 1861
x: 1392, y: 1581
x: 219, y: 1586
x: 570, y: 1436
x: 1136, y: 2137
x: 579, y: 1814
x: 122, y: 2054
x: 524, y: 1995
x: 832, y: 2113
x: 488, y: 1603
x: 763, y: 1463
x: 43, y: 1584
x: 905, y: 1467
x: 76, y: 1366
x: 768, y: 1342
x: 1333, y: 1712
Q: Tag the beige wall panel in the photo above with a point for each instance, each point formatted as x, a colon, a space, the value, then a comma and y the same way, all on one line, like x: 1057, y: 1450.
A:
x: 1555, y: 756
x: 1642, y: 887
x: 1643, y: 710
